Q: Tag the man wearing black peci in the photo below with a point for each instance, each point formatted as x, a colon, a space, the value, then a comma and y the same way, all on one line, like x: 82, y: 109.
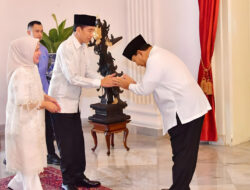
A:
x: 71, y: 73
x: 179, y: 98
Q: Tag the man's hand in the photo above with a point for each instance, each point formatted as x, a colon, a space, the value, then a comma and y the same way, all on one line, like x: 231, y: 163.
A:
x: 129, y: 79
x: 53, y: 100
x: 108, y: 81
x: 124, y: 81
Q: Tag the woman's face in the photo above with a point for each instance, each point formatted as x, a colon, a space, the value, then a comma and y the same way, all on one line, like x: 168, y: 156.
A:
x: 37, y: 54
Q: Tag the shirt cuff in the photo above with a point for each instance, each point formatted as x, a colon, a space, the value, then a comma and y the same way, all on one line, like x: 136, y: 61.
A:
x: 131, y: 87
x: 97, y: 83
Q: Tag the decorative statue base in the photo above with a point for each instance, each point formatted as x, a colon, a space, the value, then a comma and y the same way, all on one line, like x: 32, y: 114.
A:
x: 110, y: 110
x: 109, y: 113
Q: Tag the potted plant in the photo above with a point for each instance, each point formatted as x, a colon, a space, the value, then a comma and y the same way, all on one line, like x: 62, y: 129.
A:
x: 53, y: 39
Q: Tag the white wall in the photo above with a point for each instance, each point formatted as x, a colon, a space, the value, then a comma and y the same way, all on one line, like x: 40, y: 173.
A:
x: 240, y: 67
x: 232, y: 89
x: 221, y: 64
x: 15, y: 15
x: 176, y: 28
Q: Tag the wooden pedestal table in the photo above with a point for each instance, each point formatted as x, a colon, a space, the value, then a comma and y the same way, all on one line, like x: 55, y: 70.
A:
x: 109, y: 130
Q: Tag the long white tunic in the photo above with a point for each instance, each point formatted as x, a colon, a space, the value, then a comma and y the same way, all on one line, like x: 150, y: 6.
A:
x: 173, y: 87
x: 25, y: 144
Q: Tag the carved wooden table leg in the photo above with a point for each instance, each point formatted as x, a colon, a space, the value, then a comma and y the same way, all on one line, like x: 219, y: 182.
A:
x: 95, y: 139
x: 125, y: 138
x: 107, y: 136
x: 109, y: 130
x: 112, y: 140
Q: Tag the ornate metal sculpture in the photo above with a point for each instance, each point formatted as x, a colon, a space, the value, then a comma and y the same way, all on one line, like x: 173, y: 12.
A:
x: 106, y: 61
x: 111, y: 106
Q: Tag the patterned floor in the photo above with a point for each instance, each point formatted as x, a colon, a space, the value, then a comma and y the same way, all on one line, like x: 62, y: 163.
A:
x: 147, y: 165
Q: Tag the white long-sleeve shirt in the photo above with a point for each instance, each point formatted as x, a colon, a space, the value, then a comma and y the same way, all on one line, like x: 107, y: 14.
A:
x: 173, y: 87
x: 71, y: 73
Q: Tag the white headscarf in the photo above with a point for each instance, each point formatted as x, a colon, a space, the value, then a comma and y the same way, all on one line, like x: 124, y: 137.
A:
x: 21, y: 54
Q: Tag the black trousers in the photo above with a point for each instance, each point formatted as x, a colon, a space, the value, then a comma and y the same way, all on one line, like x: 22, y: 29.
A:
x: 49, y: 133
x: 70, y: 141
x: 185, y: 139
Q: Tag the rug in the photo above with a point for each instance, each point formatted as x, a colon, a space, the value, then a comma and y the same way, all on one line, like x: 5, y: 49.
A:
x: 51, y: 179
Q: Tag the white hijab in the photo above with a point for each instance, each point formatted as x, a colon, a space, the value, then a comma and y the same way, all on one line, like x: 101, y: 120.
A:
x: 21, y: 54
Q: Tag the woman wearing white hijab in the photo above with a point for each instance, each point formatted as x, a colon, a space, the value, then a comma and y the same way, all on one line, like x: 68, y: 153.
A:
x: 25, y: 144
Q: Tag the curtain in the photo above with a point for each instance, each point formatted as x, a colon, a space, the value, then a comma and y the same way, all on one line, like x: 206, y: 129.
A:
x: 209, y: 10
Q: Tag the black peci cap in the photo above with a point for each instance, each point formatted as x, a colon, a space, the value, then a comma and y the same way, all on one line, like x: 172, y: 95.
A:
x: 84, y: 20
x: 133, y: 46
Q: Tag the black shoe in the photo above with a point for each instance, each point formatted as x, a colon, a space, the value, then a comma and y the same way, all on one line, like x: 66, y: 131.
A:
x: 4, y: 161
x: 53, y: 159
x: 69, y: 187
x: 85, y: 182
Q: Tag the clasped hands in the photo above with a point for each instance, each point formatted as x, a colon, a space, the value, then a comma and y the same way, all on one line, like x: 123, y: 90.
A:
x: 50, y: 104
x: 111, y: 80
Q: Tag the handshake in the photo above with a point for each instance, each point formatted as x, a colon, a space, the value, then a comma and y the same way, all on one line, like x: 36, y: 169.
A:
x: 111, y: 80
x: 124, y: 81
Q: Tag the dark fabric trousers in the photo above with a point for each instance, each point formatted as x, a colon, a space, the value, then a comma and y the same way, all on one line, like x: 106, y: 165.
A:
x: 49, y: 133
x: 185, y: 139
x: 70, y: 141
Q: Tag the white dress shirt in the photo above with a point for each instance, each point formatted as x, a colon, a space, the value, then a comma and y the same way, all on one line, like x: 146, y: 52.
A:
x: 173, y: 87
x: 71, y: 73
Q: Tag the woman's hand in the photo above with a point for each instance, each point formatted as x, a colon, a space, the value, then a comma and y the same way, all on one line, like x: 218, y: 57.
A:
x: 50, y: 106
x: 53, y: 100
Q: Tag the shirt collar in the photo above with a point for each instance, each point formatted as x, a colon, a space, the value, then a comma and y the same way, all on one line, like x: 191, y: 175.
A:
x: 152, y: 51
x: 77, y: 43
x: 154, y: 48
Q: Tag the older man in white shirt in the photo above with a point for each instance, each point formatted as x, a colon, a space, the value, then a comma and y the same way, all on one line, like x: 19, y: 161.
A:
x: 71, y: 74
x: 181, y: 102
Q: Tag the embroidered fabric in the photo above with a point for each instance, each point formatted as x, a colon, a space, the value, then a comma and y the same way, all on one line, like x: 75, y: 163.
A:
x: 25, y: 128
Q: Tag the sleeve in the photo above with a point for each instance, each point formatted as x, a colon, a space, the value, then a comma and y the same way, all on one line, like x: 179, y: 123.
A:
x: 69, y: 69
x: 43, y: 67
x: 46, y: 57
x: 150, y: 80
x: 22, y: 92
x: 89, y: 72
x: 43, y: 61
